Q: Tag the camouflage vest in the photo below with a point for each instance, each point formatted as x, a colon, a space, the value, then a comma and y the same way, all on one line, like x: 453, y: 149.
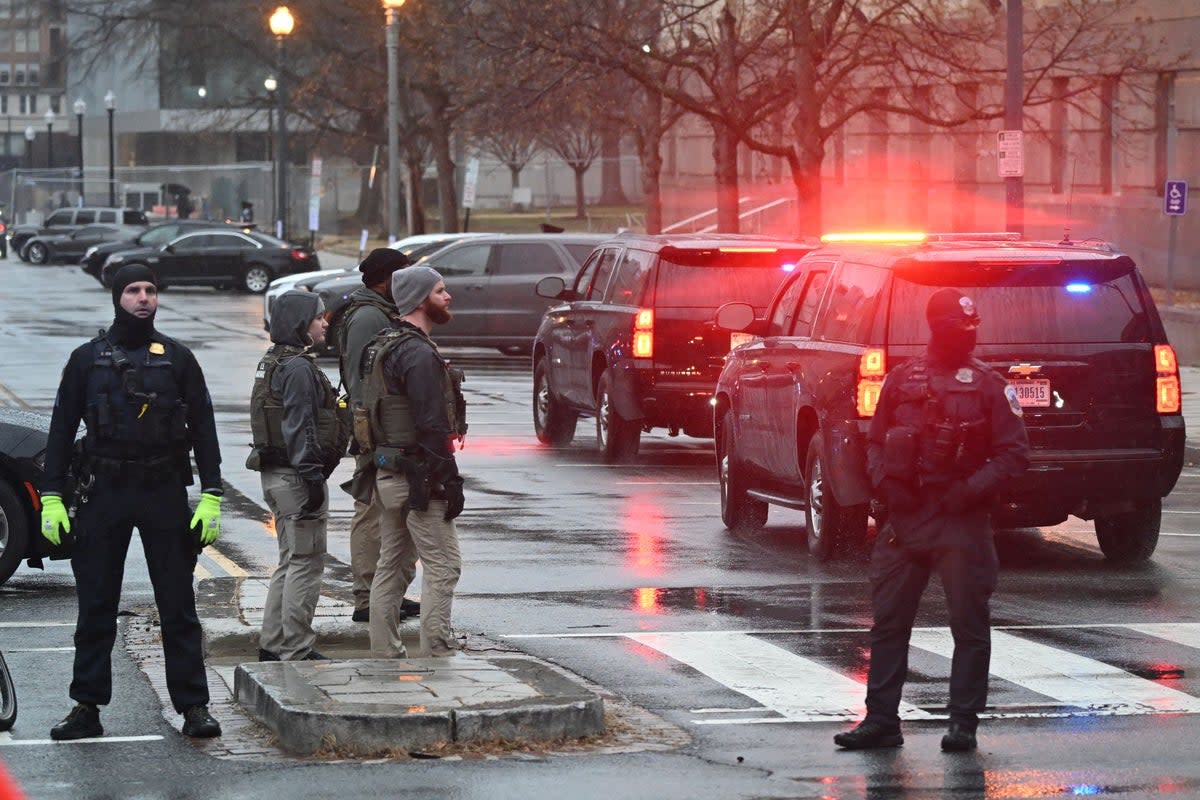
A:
x: 384, y: 419
x: 266, y: 415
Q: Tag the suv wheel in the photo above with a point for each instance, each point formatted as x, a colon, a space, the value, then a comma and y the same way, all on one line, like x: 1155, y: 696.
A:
x: 256, y: 279
x: 1130, y: 538
x: 739, y: 512
x: 36, y: 253
x: 553, y: 422
x: 617, y: 438
x: 14, y: 533
x: 827, y: 522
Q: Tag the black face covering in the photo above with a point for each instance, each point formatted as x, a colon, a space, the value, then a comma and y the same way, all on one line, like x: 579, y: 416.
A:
x: 952, y: 345
x: 128, y: 330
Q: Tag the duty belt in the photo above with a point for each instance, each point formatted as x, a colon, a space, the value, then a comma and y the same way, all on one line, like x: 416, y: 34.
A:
x: 147, y: 470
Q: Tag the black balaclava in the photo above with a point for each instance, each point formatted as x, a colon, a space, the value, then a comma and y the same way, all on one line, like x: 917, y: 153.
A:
x: 952, y: 322
x: 128, y: 330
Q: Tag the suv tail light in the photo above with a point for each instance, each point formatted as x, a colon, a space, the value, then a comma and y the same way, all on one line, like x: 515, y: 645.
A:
x: 1167, y: 393
x: 299, y: 255
x: 643, y: 333
x: 872, y: 367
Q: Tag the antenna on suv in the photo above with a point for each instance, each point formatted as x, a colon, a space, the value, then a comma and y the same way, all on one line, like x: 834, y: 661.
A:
x: 1066, y: 240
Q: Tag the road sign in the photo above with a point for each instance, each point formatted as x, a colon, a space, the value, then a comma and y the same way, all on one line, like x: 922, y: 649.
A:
x: 469, y: 182
x: 1010, y: 153
x: 1175, y: 198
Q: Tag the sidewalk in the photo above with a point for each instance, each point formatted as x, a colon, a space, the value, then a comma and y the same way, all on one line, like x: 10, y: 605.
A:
x: 357, y: 705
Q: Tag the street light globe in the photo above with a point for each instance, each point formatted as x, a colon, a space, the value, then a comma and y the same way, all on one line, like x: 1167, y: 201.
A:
x: 30, y: 133
x: 392, y: 4
x: 49, y: 117
x: 282, y: 22
x: 110, y: 100
x: 80, y: 107
x: 270, y: 84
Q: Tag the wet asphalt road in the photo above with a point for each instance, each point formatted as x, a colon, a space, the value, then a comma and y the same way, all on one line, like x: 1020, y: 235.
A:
x: 625, y: 576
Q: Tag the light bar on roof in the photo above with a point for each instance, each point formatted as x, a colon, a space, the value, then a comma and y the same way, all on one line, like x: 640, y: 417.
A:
x: 748, y: 249
x: 875, y: 236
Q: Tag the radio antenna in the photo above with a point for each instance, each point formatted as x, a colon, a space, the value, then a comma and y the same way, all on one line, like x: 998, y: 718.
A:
x: 1070, y: 203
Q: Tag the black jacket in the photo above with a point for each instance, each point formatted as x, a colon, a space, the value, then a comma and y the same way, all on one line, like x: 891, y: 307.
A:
x: 416, y: 369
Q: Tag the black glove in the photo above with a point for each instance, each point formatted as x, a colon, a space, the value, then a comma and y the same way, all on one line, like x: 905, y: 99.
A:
x: 316, y: 498
x: 453, y: 488
x: 958, y: 497
x: 898, y: 496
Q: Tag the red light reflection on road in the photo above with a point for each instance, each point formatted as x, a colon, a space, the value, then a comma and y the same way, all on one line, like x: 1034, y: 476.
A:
x: 644, y: 530
x: 645, y: 601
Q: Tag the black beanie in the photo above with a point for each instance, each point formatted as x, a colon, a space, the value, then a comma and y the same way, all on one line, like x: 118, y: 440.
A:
x: 951, y: 308
x: 128, y: 330
x: 380, y: 263
x: 130, y: 273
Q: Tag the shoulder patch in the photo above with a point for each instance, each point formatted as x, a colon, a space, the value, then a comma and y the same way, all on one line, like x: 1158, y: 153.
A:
x: 1013, y: 403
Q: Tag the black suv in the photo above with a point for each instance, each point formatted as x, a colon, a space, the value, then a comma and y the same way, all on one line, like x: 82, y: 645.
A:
x: 1072, y: 327
x: 65, y: 220
x: 633, y: 343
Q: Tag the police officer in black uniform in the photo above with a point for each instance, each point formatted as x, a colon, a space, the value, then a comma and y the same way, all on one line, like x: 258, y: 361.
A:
x: 947, y: 432
x: 146, y: 404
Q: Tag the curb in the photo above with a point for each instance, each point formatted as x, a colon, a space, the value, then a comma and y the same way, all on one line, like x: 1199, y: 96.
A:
x: 369, y: 706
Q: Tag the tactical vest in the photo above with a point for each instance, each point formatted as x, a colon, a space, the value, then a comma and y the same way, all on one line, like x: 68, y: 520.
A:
x: 388, y: 420
x: 266, y: 415
x: 340, y: 324
x: 135, y: 409
x: 947, y: 413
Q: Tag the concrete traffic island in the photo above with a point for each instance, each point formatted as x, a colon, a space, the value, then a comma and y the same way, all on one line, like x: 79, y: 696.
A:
x: 368, y: 706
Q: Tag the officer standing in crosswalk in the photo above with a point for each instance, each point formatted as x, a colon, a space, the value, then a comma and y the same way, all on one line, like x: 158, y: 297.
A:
x: 947, y: 432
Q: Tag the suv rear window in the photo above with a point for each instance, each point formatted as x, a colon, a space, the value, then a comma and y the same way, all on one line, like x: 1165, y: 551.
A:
x: 1081, y: 301
x: 710, y: 278
x: 131, y: 217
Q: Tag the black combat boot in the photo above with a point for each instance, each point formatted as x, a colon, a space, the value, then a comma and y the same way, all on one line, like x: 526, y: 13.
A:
x: 266, y: 655
x: 869, y: 735
x: 959, y: 739
x: 199, y: 724
x: 411, y: 608
x: 82, y: 723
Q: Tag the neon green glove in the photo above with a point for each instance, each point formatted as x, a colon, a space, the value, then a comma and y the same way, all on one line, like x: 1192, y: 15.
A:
x: 54, y: 516
x: 208, y: 517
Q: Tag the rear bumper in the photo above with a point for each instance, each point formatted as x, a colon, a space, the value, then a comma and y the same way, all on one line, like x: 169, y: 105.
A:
x: 664, y: 402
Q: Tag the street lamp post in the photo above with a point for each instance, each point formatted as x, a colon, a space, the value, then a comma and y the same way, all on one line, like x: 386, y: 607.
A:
x: 392, y: 11
x: 80, y: 108
x: 281, y: 24
x: 110, y: 105
x: 30, y: 135
x: 271, y: 85
x: 49, y: 138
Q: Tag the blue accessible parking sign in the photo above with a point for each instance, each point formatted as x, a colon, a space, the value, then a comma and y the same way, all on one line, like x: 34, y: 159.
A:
x: 1175, y: 198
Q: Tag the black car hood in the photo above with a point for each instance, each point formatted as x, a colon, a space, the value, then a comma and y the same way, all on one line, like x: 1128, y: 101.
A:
x: 23, y: 434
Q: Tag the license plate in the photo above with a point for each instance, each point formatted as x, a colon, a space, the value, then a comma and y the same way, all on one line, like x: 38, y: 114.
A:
x: 1032, y: 393
x: 738, y: 338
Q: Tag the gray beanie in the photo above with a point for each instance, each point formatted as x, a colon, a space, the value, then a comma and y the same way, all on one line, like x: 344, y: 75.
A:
x: 411, y: 285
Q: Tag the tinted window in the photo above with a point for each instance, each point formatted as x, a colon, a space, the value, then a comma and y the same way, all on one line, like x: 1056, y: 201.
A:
x: 852, y: 304
x: 604, y: 271
x: 807, y: 313
x: 419, y: 251
x: 228, y: 240
x: 628, y: 286
x: 579, y: 252
x: 470, y: 259
x: 108, y: 216
x: 787, y: 305
x: 159, y: 235
x: 85, y: 217
x: 192, y: 242
x: 1069, y: 302
x: 134, y: 218
x: 529, y: 259
x: 584, y: 278
x: 91, y: 231
x: 707, y: 279
x: 61, y: 217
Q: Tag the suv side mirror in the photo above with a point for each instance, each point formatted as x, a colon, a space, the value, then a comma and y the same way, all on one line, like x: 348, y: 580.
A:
x: 551, y: 286
x: 739, y: 317
x: 168, y: 248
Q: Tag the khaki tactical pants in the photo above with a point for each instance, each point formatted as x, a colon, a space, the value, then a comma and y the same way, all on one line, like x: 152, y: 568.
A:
x: 364, y: 543
x: 425, y: 535
x: 296, y: 583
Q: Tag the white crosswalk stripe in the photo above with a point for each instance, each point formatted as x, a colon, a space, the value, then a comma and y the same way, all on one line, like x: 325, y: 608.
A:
x: 1046, y: 681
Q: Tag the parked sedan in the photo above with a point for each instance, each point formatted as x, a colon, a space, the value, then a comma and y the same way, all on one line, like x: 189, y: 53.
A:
x: 22, y: 457
x: 46, y: 248
x: 220, y: 258
x: 154, y: 236
x: 491, y: 280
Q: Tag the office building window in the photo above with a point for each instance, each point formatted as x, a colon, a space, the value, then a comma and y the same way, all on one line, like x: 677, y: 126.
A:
x: 19, y: 74
x: 5, y: 73
x: 56, y: 103
x: 33, y: 75
x: 20, y: 41
x: 3, y: 104
x: 24, y: 104
x: 33, y: 104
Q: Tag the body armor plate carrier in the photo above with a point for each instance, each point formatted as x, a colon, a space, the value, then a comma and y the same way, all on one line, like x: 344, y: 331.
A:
x: 266, y: 416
